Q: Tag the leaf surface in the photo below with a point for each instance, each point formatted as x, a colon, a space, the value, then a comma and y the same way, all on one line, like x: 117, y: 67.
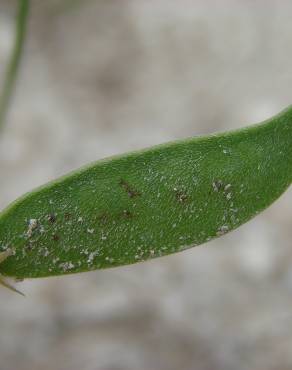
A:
x: 148, y: 203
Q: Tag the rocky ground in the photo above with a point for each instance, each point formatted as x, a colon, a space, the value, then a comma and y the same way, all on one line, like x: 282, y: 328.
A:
x: 101, y: 77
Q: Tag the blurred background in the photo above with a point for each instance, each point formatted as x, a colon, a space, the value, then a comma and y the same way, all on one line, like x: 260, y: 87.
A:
x: 100, y: 77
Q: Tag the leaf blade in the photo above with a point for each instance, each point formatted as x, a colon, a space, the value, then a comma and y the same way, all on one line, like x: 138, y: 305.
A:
x: 149, y: 203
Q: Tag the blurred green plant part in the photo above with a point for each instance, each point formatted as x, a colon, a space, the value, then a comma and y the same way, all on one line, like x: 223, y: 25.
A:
x: 14, y: 62
x: 149, y: 203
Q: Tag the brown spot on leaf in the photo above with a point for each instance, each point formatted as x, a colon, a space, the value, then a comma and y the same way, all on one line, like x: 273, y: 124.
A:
x: 55, y: 237
x: 180, y: 196
x: 103, y: 218
x: 127, y: 214
x: 67, y: 216
x: 52, y: 218
x: 131, y: 192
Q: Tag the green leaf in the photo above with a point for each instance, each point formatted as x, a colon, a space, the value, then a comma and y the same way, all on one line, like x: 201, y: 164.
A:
x: 148, y: 203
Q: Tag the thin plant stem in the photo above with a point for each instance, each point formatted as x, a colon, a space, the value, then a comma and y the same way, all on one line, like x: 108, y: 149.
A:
x: 14, y: 62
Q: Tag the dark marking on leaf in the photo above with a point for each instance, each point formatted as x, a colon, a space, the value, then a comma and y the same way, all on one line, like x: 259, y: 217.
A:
x: 67, y: 216
x: 181, y: 196
x: 131, y: 192
x: 127, y: 214
x: 28, y: 247
x: 55, y: 237
x: 103, y: 218
x: 52, y: 218
x: 218, y: 185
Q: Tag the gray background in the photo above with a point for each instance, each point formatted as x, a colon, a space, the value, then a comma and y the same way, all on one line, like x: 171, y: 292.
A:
x: 104, y: 77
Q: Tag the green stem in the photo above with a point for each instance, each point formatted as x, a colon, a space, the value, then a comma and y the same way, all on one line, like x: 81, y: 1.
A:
x: 13, y: 65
